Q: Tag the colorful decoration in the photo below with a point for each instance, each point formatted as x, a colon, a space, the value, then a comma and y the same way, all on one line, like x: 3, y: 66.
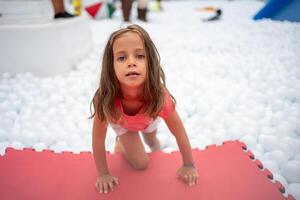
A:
x: 100, y: 9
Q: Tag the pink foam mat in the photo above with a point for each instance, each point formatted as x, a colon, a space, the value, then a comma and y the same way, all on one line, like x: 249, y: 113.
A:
x: 227, y: 172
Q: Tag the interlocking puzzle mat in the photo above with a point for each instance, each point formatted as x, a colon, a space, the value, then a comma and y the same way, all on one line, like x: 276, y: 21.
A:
x: 227, y: 172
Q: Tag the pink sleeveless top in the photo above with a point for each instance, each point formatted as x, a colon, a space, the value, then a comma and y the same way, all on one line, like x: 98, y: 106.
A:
x: 141, y: 121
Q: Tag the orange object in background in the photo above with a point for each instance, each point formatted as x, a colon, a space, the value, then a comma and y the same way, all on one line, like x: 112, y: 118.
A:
x: 226, y: 172
x: 208, y: 8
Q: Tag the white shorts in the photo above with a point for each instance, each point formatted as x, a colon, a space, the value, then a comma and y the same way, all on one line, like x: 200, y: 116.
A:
x: 119, y: 130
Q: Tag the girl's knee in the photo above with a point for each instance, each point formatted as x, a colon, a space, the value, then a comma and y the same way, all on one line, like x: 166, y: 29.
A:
x: 140, y: 164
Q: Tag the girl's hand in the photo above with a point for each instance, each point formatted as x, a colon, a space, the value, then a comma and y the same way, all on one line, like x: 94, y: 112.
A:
x: 188, y: 174
x: 106, y: 183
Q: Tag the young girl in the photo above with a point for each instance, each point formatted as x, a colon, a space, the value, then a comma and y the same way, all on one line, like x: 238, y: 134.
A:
x: 131, y: 97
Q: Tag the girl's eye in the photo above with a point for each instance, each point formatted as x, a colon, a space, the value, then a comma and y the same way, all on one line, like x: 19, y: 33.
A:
x: 140, y: 56
x: 121, y: 58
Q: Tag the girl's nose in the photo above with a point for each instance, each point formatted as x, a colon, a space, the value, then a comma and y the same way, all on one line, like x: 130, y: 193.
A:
x: 131, y: 62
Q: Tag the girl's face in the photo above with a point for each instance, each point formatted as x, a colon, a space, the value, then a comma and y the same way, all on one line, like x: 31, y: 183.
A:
x: 130, y: 60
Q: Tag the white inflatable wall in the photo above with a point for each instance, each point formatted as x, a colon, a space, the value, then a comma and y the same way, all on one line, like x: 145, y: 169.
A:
x: 31, y: 41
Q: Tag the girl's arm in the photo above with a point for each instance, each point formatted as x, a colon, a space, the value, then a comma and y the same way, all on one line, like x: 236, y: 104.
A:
x: 175, y: 125
x: 105, y: 182
x: 98, y: 143
x: 187, y: 172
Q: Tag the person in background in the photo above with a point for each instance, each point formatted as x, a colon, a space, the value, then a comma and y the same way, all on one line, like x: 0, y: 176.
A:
x: 133, y: 98
x: 59, y: 10
x: 126, y: 9
x: 142, y: 9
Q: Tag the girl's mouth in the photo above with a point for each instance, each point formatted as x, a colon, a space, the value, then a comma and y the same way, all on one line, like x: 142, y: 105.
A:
x: 132, y: 74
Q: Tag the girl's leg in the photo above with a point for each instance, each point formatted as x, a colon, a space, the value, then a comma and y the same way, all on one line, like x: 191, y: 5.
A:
x: 151, y: 140
x: 133, y: 150
x: 118, y: 146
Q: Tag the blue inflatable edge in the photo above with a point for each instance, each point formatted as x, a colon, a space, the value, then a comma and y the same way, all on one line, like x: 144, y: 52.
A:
x: 271, y: 8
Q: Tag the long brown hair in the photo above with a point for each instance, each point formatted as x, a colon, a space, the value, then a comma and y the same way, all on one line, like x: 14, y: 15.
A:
x: 109, y: 88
